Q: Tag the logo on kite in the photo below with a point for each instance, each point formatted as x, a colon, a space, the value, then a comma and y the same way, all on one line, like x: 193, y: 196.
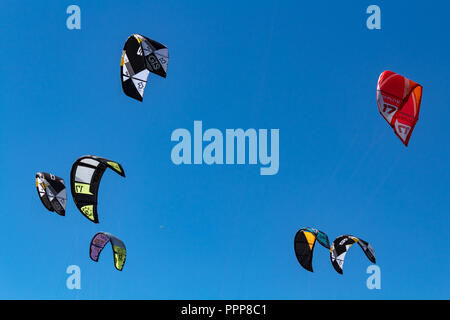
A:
x: 140, y: 56
x: 342, y: 244
x: 304, y: 243
x: 154, y: 62
x: 99, y: 242
x: 398, y: 100
x: 85, y: 178
x: 52, y: 192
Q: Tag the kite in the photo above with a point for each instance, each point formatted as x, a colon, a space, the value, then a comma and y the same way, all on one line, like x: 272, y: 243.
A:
x: 100, y: 240
x: 52, y: 192
x: 342, y: 244
x: 304, y: 242
x: 85, y: 178
x: 398, y: 100
x: 140, y: 56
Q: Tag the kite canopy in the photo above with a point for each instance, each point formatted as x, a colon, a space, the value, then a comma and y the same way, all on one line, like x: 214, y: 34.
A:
x: 398, y: 100
x: 140, y: 56
x: 342, y: 244
x: 100, y: 240
x: 52, y: 192
x: 304, y: 242
x: 85, y: 178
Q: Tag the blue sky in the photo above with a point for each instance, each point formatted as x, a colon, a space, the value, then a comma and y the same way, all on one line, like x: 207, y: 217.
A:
x: 225, y: 232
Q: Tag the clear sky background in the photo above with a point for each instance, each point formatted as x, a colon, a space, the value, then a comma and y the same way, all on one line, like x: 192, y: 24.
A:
x: 226, y: 232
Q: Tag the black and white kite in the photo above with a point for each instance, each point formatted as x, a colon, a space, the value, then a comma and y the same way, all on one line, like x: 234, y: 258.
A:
x: 140, y: 56
x: 52, y: 192
x: 342, y: 244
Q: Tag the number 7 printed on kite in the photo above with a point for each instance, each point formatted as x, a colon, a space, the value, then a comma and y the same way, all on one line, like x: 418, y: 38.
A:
x: 398, y: 100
